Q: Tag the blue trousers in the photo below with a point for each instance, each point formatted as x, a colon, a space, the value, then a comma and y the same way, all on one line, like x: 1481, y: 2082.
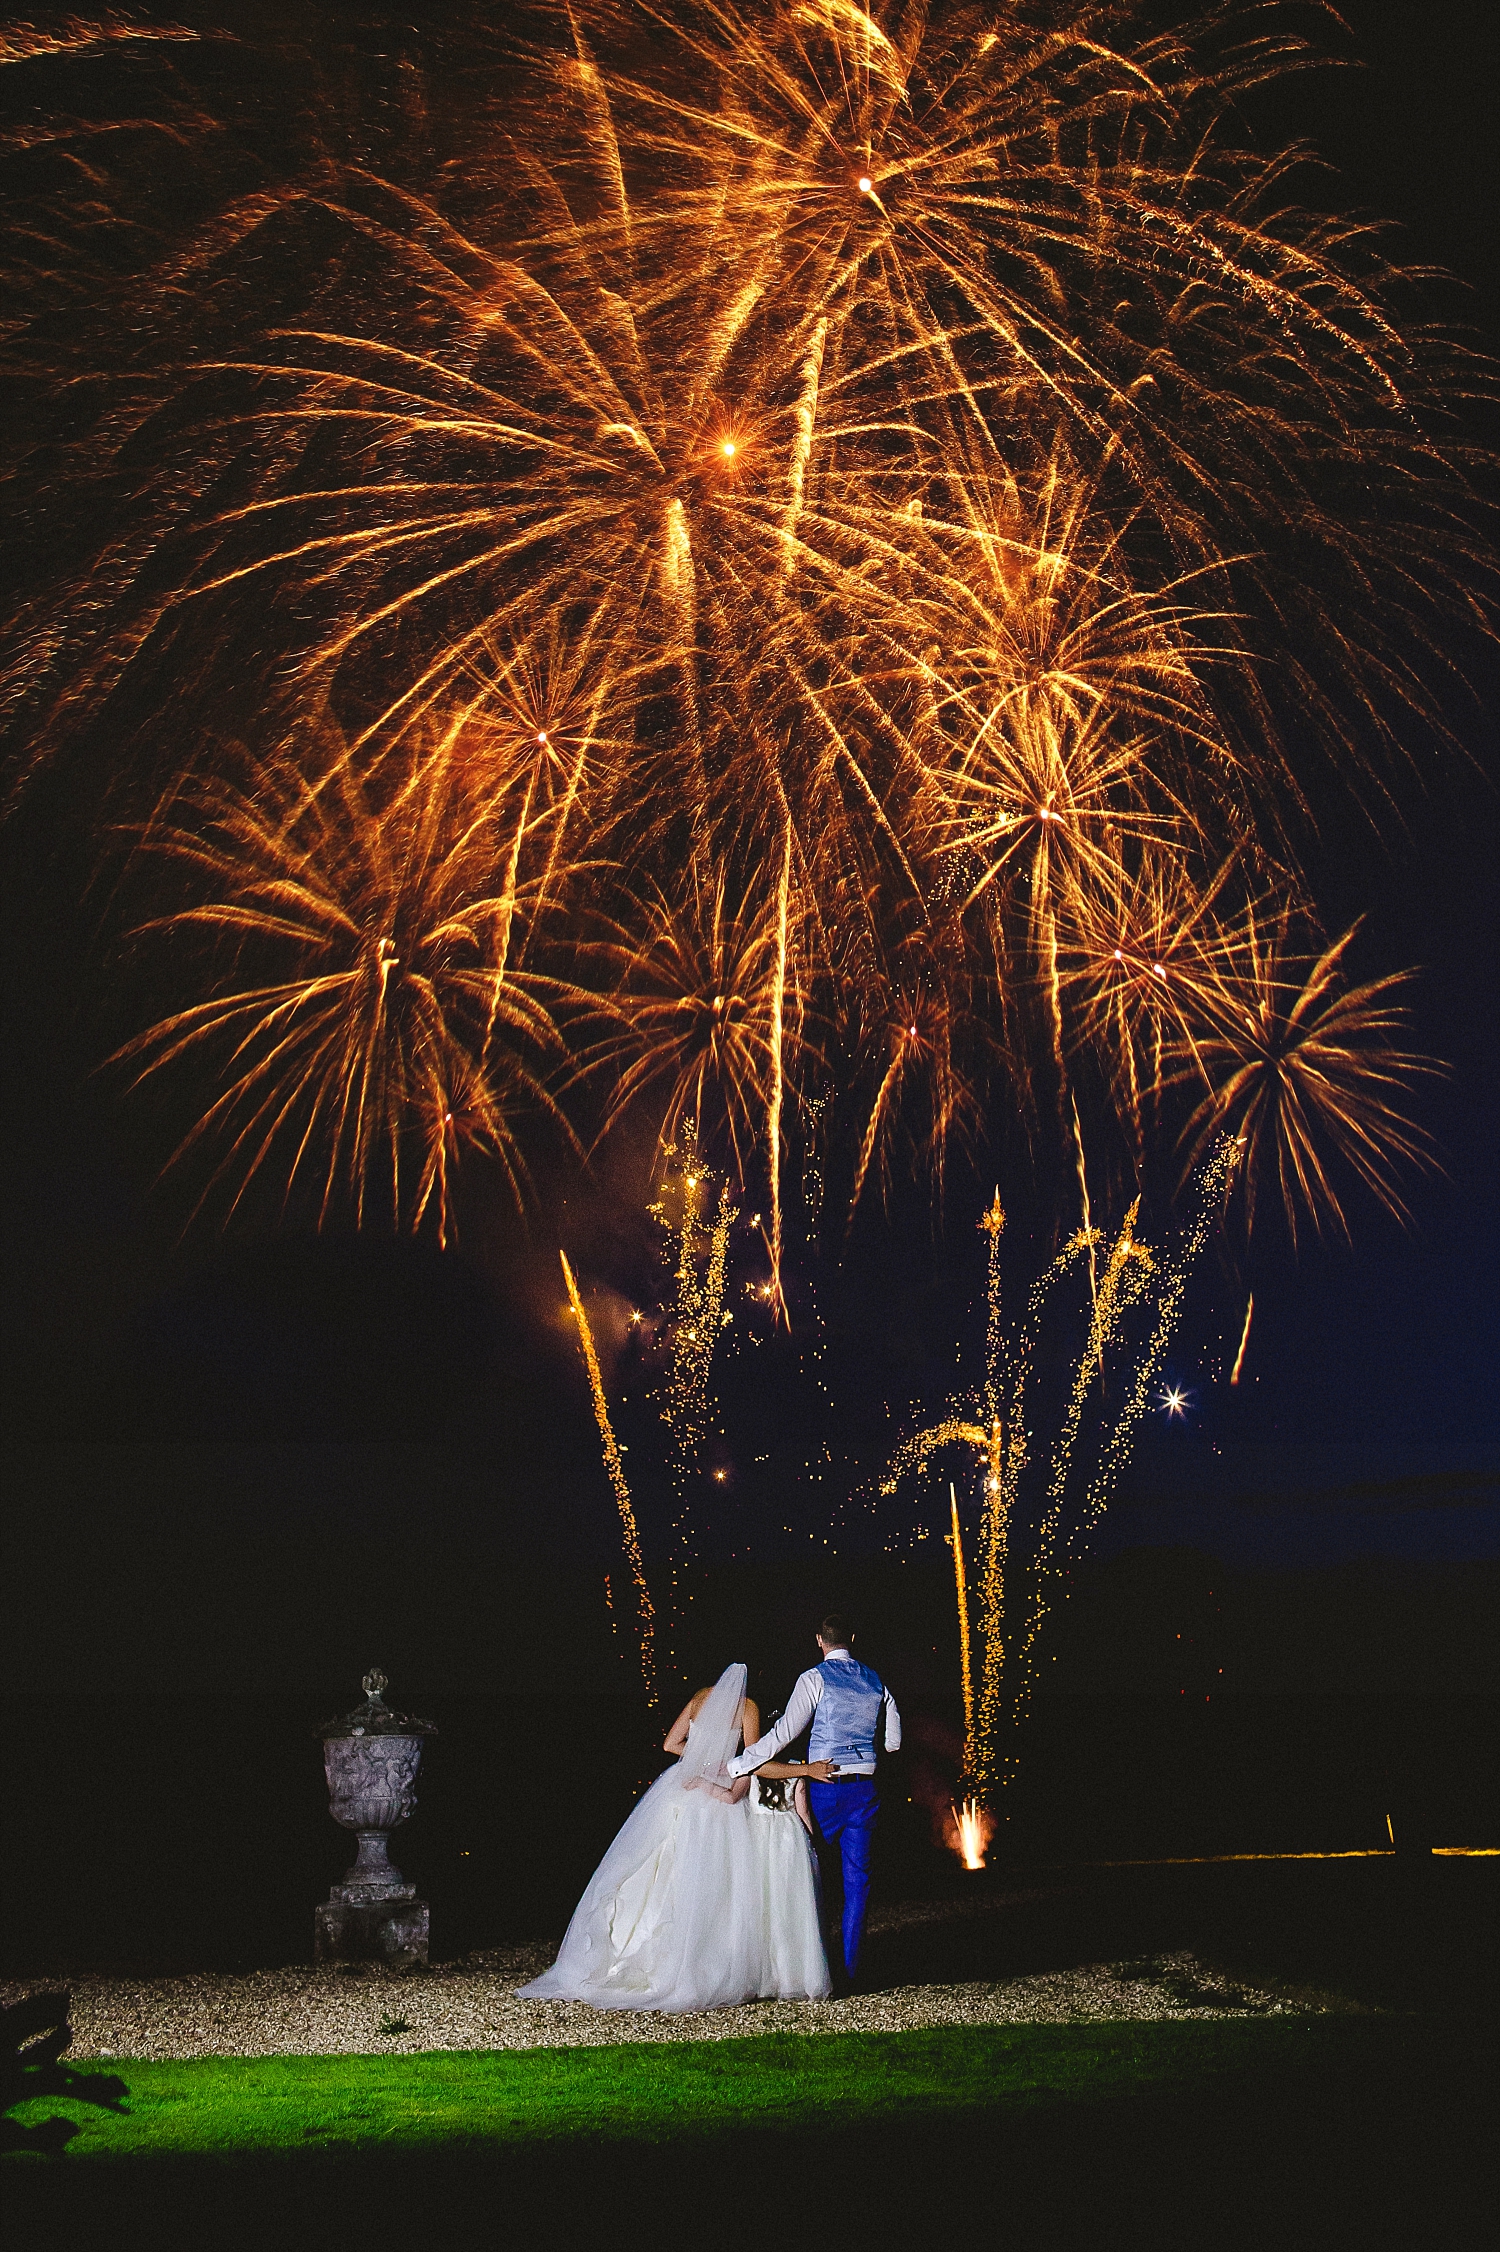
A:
x: 845, y: 1814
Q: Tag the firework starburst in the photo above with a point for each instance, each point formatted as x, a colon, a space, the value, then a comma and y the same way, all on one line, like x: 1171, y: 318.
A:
x: 365, y: 1019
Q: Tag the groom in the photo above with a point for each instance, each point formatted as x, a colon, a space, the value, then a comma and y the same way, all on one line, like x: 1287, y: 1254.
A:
x: 845, y: 1702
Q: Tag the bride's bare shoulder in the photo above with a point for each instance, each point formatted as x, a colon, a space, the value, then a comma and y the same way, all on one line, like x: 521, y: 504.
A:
x: 676, y: 1738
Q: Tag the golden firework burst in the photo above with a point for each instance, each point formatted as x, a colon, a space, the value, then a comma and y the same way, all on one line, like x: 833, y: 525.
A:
x: 365, y: 1017
x: 1307, y: 1070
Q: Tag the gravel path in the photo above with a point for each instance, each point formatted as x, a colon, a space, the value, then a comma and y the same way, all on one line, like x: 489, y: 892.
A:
x: 472, y: 2005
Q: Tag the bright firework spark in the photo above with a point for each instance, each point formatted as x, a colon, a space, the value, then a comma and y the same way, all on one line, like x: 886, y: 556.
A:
x: 1175, y: 1402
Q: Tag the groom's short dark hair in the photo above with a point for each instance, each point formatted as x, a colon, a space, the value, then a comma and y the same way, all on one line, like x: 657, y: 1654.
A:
x: 837, y: 1629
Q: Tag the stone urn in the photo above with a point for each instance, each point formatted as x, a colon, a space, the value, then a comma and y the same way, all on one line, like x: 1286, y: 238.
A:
x: 371, y: 1757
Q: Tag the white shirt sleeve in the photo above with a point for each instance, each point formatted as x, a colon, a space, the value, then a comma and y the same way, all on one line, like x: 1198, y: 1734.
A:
x: 804, y: 1702
x: 892, y: 1724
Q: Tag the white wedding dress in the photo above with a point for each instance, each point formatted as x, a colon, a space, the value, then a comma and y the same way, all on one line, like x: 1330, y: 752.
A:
x: 698, y: 1904
x: 794, y: 1965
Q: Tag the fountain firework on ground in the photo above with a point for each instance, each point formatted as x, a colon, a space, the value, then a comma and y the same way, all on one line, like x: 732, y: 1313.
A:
x: 1135, y: 1303
x: 968, y: 1828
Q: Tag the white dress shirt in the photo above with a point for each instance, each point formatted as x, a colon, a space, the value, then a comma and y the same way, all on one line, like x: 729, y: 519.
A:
x: 802, y: 1704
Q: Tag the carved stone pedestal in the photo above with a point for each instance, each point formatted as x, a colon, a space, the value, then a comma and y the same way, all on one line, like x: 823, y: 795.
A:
x: 371, y: 1758
x: 371, y: 1931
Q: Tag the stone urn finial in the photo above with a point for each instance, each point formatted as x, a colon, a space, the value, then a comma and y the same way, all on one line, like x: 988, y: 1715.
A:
x: 371, y: 1757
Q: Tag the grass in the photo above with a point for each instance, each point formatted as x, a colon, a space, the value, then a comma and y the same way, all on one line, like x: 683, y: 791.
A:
x: 655, y: 2091
x: 1196, y: 2133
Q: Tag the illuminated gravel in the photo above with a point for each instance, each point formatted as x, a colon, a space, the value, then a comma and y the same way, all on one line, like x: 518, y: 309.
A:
x: 304, y: 2011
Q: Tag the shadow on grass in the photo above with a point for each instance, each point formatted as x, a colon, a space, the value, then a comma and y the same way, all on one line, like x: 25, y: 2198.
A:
x: 33, y: 2036
x: 1314, y: 2132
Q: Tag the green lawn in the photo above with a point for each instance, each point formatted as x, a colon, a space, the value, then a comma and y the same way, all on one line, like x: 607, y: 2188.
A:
x: 1206, y: 2132
x: 654, y: 2091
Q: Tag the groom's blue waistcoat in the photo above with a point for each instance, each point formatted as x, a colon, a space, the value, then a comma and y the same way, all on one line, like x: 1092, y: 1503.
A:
x: 847, y: 1715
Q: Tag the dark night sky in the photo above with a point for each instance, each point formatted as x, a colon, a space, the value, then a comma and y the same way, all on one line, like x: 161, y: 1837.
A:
x: 180, y: 1389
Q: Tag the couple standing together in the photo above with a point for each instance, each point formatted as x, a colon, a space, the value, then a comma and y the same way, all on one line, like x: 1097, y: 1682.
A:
x: 709, y: 1895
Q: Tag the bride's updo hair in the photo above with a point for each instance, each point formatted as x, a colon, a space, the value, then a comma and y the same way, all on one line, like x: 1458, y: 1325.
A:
x: 836, y: 1628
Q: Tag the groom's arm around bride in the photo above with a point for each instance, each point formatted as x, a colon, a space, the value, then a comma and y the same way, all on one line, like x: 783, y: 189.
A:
x: 846, y: 1704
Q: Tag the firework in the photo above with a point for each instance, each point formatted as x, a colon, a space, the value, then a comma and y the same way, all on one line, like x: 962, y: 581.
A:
x: 696, y: 1317
x: 962, y: 1591
x: 386, y: 1025
x: 1302, y: 1067
x: 923, y: 1079
x: 1133, y: 1278
x: 872, y: 494
x: 1239, y: 1358
x: 614, y: 1464
x: 696, y: 1001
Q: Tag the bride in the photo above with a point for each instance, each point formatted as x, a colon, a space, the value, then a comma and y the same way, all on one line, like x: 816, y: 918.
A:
x: 709, y: 1893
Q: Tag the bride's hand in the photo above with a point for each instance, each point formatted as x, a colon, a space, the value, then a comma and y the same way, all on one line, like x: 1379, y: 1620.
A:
x: 820, y: 1771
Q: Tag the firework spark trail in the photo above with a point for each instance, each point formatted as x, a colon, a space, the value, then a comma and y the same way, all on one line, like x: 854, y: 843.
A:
x: 962, y: 1593
x: 696, y: 1317
x: 1125, y: 1277
x: 801, y: 454
x: 1015, y: 1356
x: 614, y: 1464
x: 913, y: 1452
x: 1239, y: 1358
x: 773, y: 1120
x: 872, y: 1130
x: 993, y: 1226
x: 1083, y: 1197
x: 1213, y: 1179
